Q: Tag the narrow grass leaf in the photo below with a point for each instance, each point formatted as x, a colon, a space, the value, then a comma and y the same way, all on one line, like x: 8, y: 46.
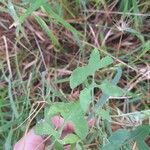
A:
x: 12, y: 101
x: 49, y: 32
x: 13, y: 13
x: 34, y: 6
x: 60, y: 20
x: 124, y: 6
x: 118, y: 75
x: 8, y: 145
x: 136, y: 33
x: 137, y: 19
x: 144, y: 50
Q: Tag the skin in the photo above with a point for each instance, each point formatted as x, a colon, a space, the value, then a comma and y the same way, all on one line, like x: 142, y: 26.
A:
x: 36, y: 142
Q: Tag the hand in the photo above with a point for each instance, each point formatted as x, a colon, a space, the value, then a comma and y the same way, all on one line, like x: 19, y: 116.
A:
x: 31, y: 141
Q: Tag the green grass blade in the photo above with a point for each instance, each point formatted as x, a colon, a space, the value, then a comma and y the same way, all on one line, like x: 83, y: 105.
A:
x: 60, y: 20
x: 34, y: 6
x: 12, y: 102
x: 49, y: 32
x: 137, y: 19
x: 8, y: 141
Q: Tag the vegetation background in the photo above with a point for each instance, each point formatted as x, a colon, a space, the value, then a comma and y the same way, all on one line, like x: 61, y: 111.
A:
x: 43, y: 41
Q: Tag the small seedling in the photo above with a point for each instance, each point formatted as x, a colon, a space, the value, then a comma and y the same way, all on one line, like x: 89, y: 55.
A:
x: 75, y: 111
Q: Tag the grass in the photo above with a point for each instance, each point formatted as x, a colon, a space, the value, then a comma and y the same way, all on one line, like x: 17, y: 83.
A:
x: 41, y: 43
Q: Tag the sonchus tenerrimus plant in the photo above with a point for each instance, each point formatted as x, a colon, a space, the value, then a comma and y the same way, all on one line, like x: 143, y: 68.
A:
x: 75, y: 111
x: 80, y: 74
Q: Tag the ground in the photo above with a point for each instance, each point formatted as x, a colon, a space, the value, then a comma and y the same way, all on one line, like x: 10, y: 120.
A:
x: 42, y: 42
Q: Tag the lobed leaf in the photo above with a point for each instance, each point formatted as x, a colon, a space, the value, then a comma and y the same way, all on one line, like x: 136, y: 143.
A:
x: 45, y: 128
x: 80, y: 74
x: 111, y: 90
x: 71, y: 112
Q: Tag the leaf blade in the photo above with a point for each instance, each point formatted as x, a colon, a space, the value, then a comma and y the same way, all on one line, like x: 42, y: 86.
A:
x: 78, y: 76
x: 85, y: 98
x: 34, y: 6
x: 111, y: 90
x: 71, y: 112
x: 49, y: 32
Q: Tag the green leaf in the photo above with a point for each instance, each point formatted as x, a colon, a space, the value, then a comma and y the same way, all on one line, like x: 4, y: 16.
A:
x: 60, y: 20
x: 48, y: 31
x: 45, y: 128
x: 34, y: 6
x: 146, y: 113
x: 95, y: 63
x: 8, y: 141
x: 85, y: 98
x: 104, y: 114
x: 111, y: 90
x: 80, y: 74
x: 78, y: 146
x: 104, y: 62
x: 117, y: 139
x: 139, y: 135
x: 122, y: 136
x: 58, y: 146
x: 13, y: 13
x: 105, y: 97
x: 71, y: 112
x: 118, y: 75
x: 94, y: 58
x: 71, y: 139
x: 135, y: 33
x: 144, y: 50
x: 119, y: 136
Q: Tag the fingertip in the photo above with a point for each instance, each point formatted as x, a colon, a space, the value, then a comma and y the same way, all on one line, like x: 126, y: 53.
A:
x: 57, y: 121
x: 30, y: 141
